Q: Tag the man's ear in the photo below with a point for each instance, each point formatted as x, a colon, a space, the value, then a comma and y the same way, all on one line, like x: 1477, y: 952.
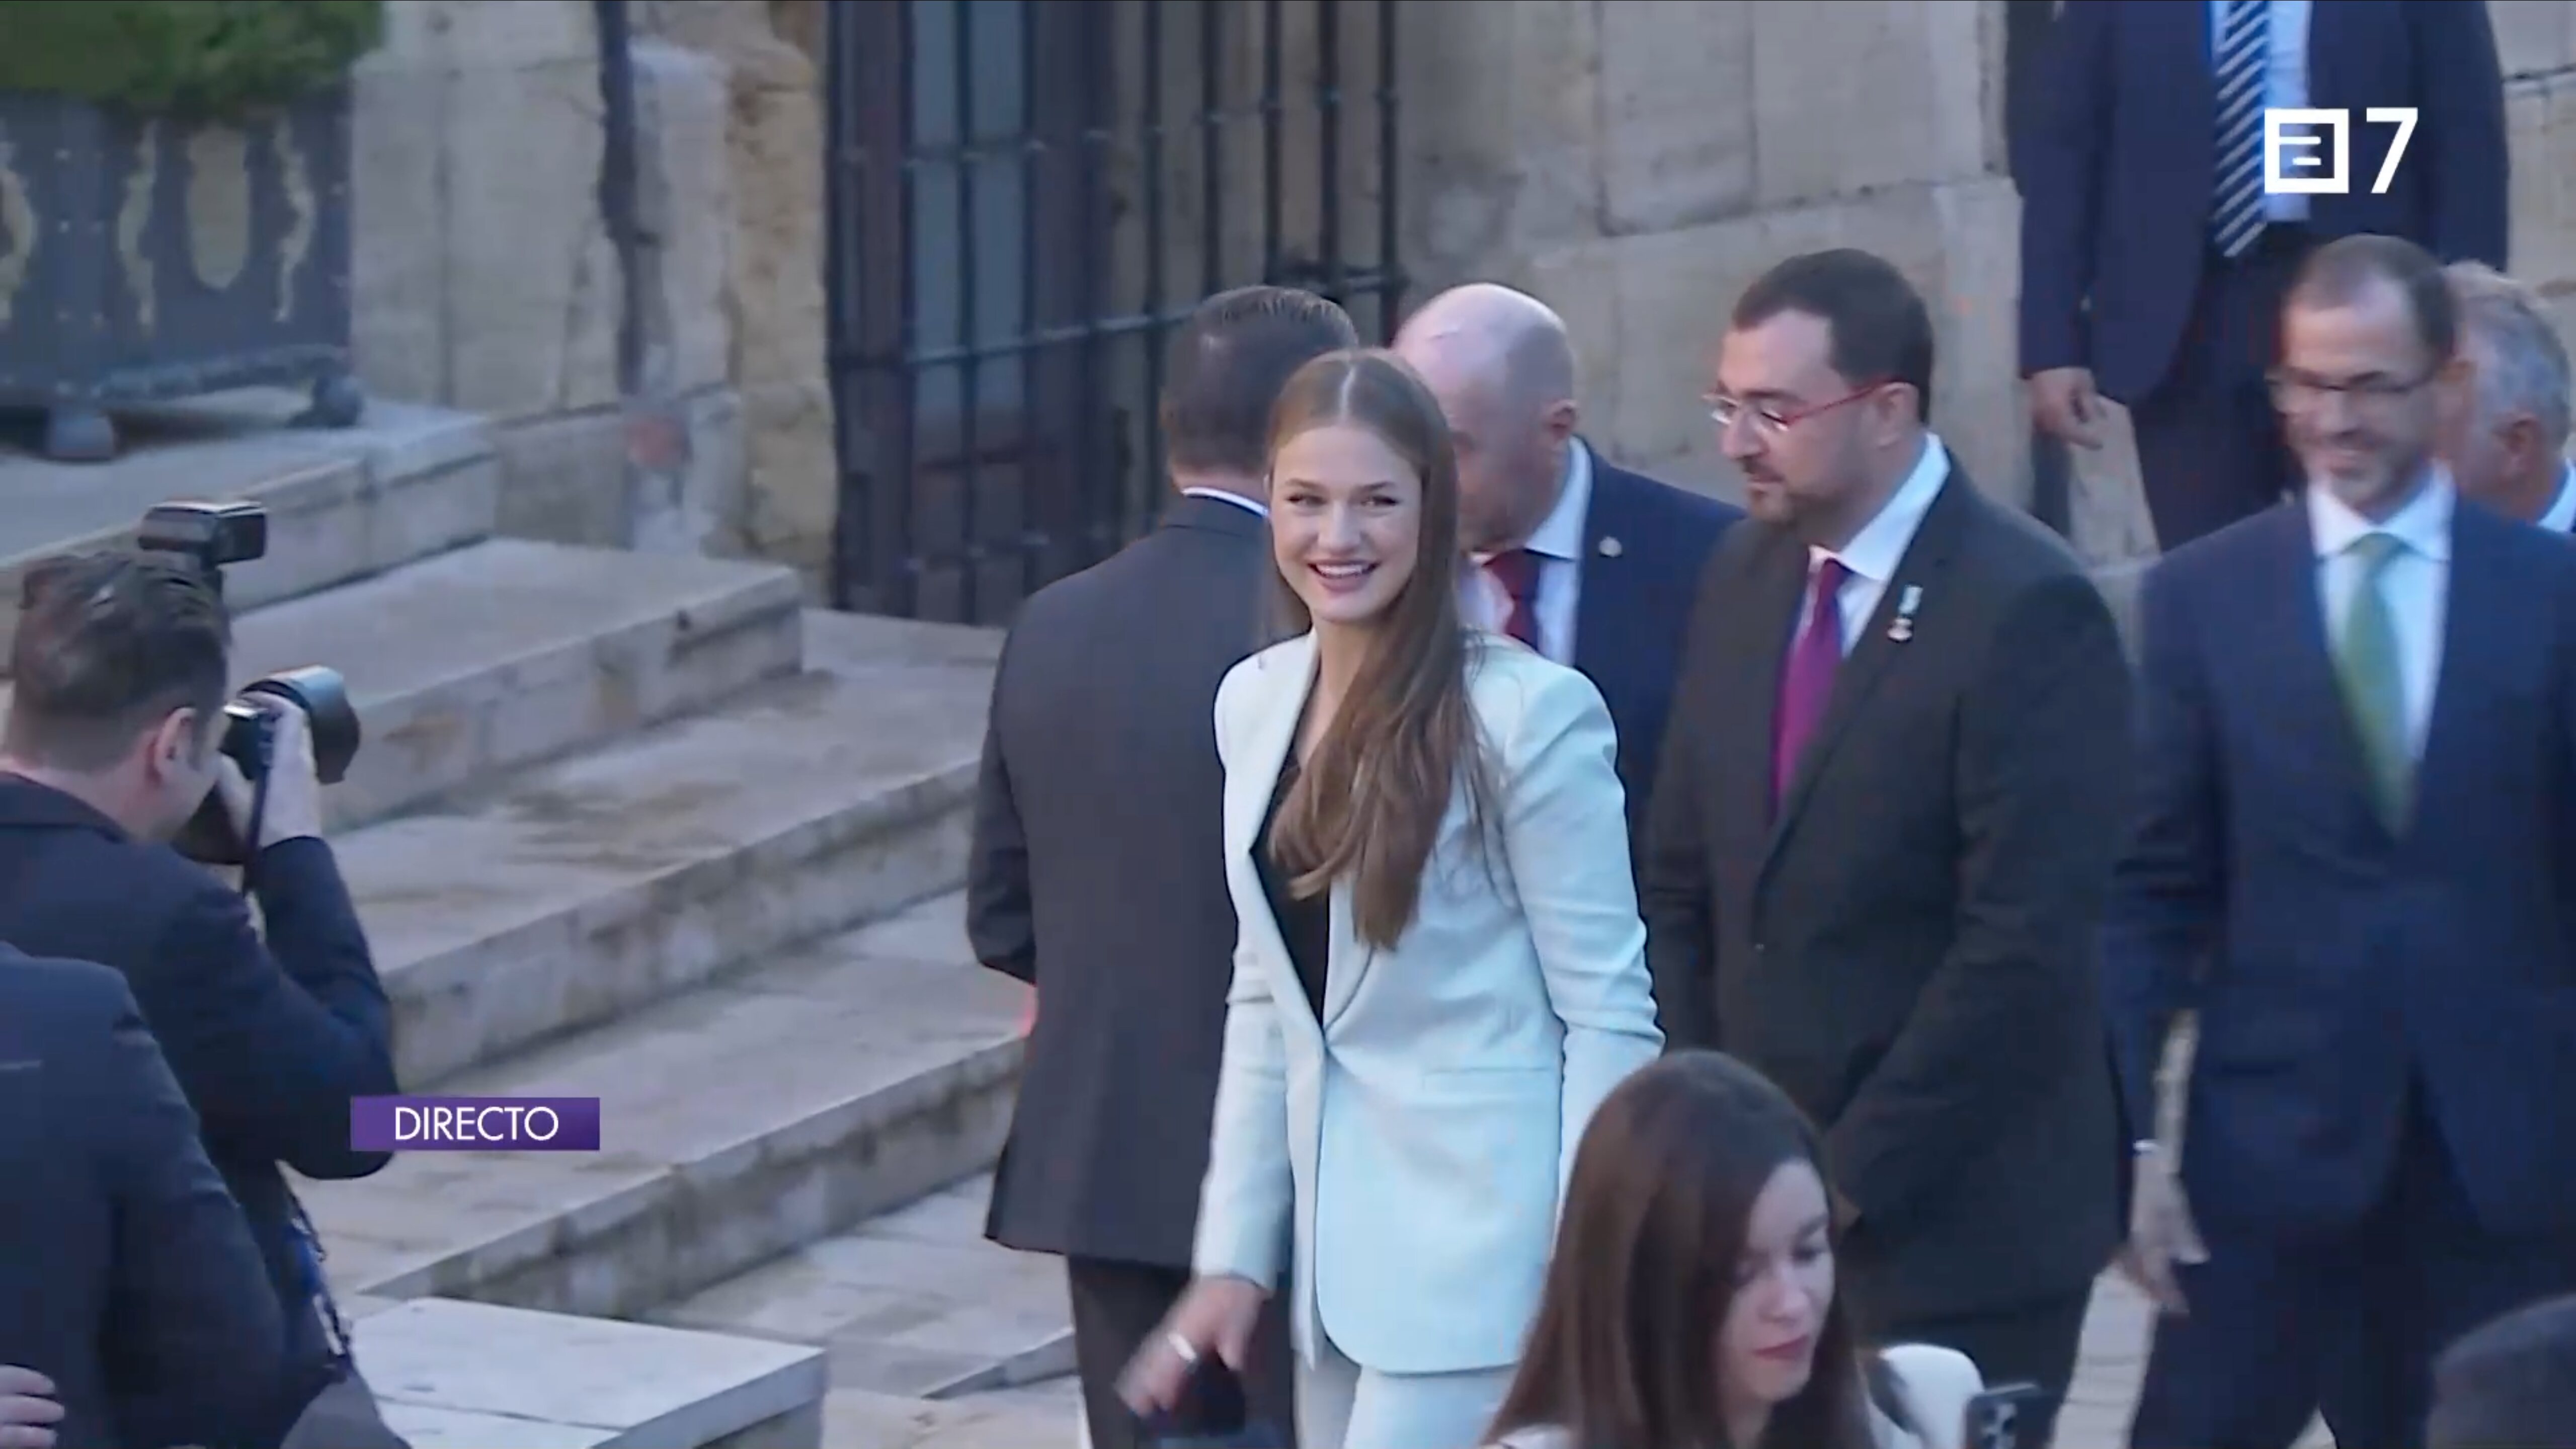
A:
x: 178, y: 741
x: 1561, y: 420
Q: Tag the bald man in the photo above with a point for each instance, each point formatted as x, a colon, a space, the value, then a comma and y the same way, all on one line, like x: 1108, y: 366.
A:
x: 1582, y: 560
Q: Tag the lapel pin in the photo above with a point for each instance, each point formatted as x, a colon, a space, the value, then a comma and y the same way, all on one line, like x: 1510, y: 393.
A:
x: 1901, y: 628
x: 1611, y: 547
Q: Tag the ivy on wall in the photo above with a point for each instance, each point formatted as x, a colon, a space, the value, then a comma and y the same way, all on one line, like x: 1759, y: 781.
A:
x: 203, y: 57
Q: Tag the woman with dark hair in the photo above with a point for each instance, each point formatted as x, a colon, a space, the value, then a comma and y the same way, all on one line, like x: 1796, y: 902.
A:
x: 1691, y: 1301
x: 1440, y: 969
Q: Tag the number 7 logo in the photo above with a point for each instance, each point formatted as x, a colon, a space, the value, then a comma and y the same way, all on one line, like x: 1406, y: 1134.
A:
x: 2309, y: 173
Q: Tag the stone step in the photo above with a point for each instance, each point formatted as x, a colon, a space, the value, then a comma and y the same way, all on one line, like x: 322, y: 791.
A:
x: 914, y: 1304
x: 407, y: 483
x: 454, y: 1375
x: 594, y: 885
x: 510, y: 652
x: 862, y: 1419
x: 738, y: 1121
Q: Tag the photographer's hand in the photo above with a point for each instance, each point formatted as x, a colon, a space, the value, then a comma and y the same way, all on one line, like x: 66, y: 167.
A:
x: 294, y: 808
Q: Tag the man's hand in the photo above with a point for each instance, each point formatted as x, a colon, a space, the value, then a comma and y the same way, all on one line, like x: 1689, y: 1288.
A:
x: 28, y: 1410
x: 2161, y: 1233
x: 1215, y: 1315
x: 294, y: 808
x: 2064, y: 405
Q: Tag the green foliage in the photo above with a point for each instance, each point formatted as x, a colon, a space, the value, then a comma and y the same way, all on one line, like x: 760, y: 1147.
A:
x: 197, y: 57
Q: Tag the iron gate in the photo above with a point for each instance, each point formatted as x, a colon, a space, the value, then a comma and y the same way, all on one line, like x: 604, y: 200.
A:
x: 1026, y: 195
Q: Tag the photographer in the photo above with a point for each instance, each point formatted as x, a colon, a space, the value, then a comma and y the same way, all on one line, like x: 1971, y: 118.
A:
x: 120, y: 668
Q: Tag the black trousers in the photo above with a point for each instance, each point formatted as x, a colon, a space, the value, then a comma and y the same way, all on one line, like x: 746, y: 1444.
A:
x: 1117, y: 1306
x: 2033, y: 1343
x: 2210, y: 449
x: 2347, y: 1321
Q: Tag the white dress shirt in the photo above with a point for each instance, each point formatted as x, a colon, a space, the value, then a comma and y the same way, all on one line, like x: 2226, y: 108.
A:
x: 1558, y: 542
x: 2285, y: 79
x: 1254, y: 506
x: 2416, y: 582
x: 2561, y: 514
x: 1874, y: 553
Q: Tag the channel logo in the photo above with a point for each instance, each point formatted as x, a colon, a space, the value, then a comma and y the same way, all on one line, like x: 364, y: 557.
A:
x: 474, y: 1124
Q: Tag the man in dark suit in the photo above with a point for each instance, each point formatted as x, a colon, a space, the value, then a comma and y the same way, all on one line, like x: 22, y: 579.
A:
x: 1586, y: 562
x: 2153, y: 259
x: 1892, y: 791
x: 130, y: 1281
x: 2507, y: 446
x: 1098, y: 868
x: 119, y: 672
x: 2354, y: 866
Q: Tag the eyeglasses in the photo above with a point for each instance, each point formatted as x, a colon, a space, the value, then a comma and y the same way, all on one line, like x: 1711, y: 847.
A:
x: 2300, y: 392
x: 1771, y: 422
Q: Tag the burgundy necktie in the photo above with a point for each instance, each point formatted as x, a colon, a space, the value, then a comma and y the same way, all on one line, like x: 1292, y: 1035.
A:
x: 1807, y: 677
x: 1517, y: 571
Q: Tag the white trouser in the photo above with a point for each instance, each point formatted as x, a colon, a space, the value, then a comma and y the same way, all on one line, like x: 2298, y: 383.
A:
x: 1341, y: 1405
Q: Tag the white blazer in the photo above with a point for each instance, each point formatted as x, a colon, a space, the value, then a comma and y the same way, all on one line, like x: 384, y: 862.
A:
x: 1403, y: 1157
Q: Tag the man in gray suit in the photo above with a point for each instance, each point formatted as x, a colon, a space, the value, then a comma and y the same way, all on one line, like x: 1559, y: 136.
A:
x: 2508, y: 448
x: 1097, y: 873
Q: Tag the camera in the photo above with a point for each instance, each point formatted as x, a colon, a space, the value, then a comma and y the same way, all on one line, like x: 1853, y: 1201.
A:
x: 206, y: 538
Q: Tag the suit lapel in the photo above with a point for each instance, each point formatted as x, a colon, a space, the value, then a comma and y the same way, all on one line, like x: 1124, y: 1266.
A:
x: 1251, y: 781
x: 2294, y: 615
x: 2472, y: 669
x: 1608, y: 585
x: 1925, y: 559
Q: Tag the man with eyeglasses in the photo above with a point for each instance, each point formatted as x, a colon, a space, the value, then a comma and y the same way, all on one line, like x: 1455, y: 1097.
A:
x: 2355, y: 867
x: 1893, y: 785
x: 2153, y: 249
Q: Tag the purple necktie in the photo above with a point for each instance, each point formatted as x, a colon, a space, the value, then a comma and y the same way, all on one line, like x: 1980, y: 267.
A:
x: 1807, y: 677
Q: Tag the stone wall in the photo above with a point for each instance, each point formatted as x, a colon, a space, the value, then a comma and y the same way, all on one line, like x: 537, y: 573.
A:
x: 1635, y: 162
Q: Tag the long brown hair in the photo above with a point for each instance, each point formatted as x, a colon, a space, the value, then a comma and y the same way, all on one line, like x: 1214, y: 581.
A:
x: 1623, y: 1353
x: 1367, y: 805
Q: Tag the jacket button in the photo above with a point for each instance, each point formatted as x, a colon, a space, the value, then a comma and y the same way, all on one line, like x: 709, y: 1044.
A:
x: 1761, y: 948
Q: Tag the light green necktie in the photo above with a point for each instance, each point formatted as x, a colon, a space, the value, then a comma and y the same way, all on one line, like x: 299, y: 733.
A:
x: 2374, y: 689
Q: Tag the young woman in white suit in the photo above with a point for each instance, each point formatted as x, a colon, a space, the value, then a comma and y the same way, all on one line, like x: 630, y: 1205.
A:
x: 1440, y: 970
x: 1691, y: 1304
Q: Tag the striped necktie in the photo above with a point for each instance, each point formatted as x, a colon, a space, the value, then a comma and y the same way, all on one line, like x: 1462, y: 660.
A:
x: 2236, y: 213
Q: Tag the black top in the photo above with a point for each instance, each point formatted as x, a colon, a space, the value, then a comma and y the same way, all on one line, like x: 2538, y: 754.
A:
x: 1306, y: 925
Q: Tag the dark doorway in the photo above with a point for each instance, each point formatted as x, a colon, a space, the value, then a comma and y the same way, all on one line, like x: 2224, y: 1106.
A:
x: 1025, y: 196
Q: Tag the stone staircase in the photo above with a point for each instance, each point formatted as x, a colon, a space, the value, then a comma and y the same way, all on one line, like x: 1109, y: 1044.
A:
x: 638, y: 828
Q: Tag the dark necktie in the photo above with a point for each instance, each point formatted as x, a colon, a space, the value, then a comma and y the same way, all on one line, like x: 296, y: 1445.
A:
x: 1807, y: 678
x: 2236, y: 126
x: 1517, y: 571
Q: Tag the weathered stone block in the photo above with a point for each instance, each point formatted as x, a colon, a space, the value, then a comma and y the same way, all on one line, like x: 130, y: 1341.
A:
x: 2533, y: 37
x: 2540, y: 123
x: 2106, y: 504
x: 1883, y: 93
x: 533, y: 281
x: 1677, y: 94
x: 686, y: 206
x: 480, y: 34
x: 398, y: 262
x: 1647, y: 311
x: 1502, y: 132
x: 795, y: 476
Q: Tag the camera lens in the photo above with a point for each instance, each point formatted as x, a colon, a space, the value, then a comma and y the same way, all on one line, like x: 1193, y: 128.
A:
x: 323, y: 695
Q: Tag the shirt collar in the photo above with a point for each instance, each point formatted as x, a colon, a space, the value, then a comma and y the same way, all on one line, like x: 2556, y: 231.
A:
x: 1880, y: 546
x: 1560, y: 534
x: 2423, y: 525
x: 2560, y: 517
x: 1255, y: 506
